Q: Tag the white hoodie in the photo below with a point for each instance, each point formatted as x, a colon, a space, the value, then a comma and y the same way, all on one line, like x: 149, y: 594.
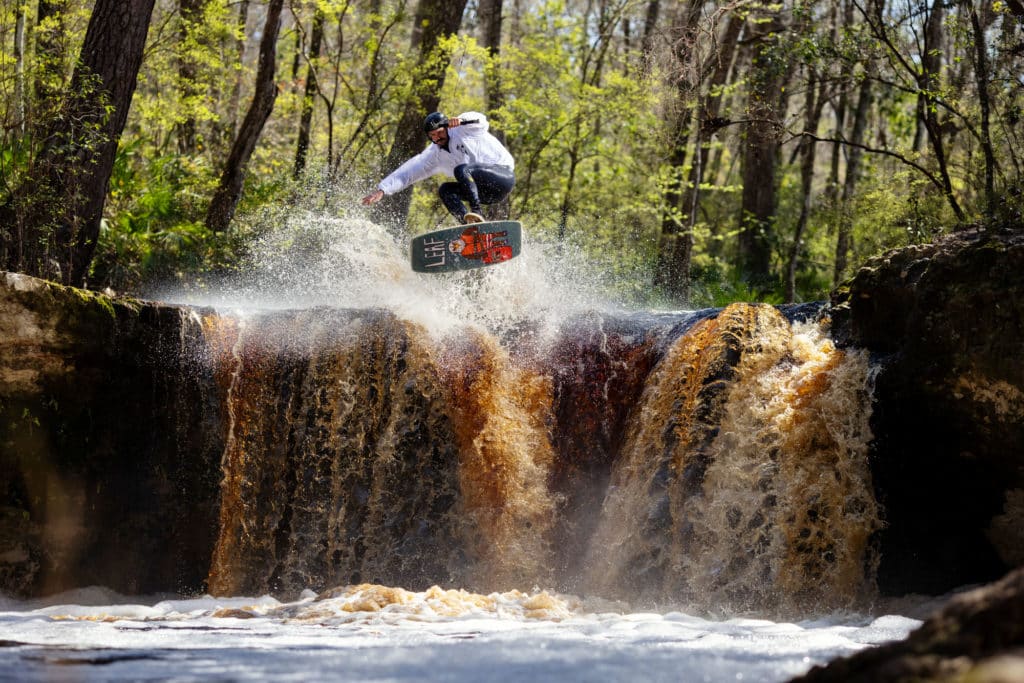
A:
x: 469, y: 143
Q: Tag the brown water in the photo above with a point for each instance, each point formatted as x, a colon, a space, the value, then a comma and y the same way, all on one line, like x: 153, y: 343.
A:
x: 720, y: 466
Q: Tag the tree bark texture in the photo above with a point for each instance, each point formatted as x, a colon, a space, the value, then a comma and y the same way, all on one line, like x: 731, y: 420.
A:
x: 490, y: 13
x: 19, y: 71
x: 930, y: 77
x: 112, y: 51
x: 490, y: 30
x: 230, y: 127
x: 191, y: 12
x: 62, y: 204
x: 669, y: 273
x: 225, y: 199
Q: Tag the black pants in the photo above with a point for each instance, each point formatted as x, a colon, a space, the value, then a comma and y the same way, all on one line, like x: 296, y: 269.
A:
x: 476, y: 184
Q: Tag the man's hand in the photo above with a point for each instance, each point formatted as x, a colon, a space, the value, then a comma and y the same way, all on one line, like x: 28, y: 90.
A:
x: 454, y: 122
x: 373, y: 197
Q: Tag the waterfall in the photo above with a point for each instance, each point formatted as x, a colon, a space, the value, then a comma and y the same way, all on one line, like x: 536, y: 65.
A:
x: 473, y: 433
x: 728, y: 472
x: 338, y: 468
x: 743, y: 482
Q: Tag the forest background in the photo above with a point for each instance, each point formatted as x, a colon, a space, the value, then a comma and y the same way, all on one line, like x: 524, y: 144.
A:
x: 697, y: 152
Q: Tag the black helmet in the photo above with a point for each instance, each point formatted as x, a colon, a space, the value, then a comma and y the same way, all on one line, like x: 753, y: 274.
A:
x: 434, y: 121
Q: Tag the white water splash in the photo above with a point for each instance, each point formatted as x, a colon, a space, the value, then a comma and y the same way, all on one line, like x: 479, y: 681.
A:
x: 314, y: 259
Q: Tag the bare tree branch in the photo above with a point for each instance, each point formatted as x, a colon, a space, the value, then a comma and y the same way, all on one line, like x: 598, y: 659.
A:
x: 873, y: 150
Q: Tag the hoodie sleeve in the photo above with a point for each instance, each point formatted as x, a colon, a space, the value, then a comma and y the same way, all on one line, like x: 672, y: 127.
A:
x: 412, y: 171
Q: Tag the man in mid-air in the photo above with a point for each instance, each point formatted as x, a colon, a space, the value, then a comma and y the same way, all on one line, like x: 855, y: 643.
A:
x: 461, y: 147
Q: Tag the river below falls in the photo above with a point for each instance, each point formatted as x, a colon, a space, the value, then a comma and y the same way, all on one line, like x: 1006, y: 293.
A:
x: 374, y: 633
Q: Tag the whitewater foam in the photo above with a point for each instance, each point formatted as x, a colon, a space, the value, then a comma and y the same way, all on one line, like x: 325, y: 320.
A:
x: 367, y: 633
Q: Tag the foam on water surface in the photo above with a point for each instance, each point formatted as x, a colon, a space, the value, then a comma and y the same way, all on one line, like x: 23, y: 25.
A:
x: 380, y: 633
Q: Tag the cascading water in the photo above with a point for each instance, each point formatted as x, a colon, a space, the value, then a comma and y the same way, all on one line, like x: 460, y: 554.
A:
x: 417, y: 432
x: 743, y: 482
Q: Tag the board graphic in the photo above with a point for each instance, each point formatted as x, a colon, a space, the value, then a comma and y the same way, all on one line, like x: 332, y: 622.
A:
x: 466, y: 246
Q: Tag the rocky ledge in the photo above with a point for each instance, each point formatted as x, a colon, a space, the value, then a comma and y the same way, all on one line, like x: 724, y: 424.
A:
x: 946, y: 323
x: 110, y: 442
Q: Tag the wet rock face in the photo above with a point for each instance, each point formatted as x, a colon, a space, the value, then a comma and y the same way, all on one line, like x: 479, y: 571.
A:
x: 946, y: 322
x: 110, y: 443
x: 978, y: 636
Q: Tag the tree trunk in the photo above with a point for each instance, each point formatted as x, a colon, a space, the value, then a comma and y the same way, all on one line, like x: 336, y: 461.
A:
x: 490, y: 29
x: 929, y: 78
x: 708, y: 123
x: 981, y: 71
x: 929, y: 81
x: 812, y: 116
x: 515, y: 34
x: 235, y: 100
x: 59, y: 209
x: 225, y: 199
x: 647, y: 42
x: 306, y: 119
x: 192, y: 12
x: 19, y: 72
x: 844, y: 240
x: 760, y: 159
x: 435, y: 19
x: 673, y: 217
x: 841, y: 105
x: 667, y: 273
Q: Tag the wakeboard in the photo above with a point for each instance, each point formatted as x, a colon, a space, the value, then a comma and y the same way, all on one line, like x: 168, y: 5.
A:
x: 464, y: 247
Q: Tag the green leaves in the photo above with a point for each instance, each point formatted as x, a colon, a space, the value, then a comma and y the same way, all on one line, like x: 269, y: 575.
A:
x: 592, y: 99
